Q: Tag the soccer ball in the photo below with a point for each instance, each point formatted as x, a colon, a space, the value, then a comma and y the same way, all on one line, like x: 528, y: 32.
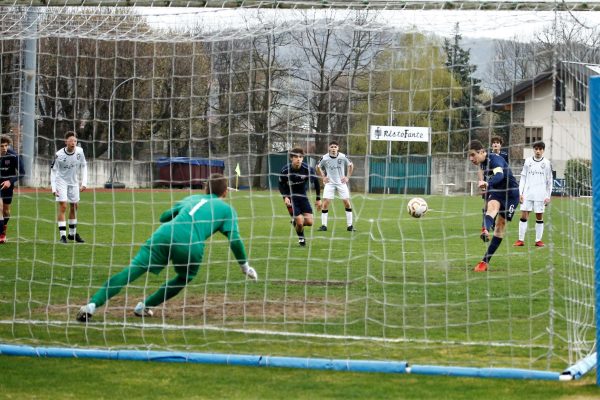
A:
x: 417, y: 207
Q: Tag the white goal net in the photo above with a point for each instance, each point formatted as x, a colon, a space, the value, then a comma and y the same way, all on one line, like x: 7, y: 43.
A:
x: 162, y: 97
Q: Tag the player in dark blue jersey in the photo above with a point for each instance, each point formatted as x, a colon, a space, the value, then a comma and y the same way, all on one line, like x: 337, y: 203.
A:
x: 502, y: 196
x: 496, y: 147
x: 11, y: 170
x: 292, y: 185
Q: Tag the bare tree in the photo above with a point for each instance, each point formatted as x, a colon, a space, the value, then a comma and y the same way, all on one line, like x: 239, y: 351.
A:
x: 331, y: 58
x: 567, y: 41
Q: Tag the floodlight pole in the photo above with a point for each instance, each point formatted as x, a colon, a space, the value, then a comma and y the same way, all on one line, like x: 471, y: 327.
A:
x: 111, y: 183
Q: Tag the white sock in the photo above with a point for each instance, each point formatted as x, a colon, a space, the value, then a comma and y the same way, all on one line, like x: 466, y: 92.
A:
x: 91, y: 308
x: 348, y: 218
x: 522, y: 230
x: 72, y: 226
x: 62, y: 228
x: 539, y: 230
x: 324, y: 218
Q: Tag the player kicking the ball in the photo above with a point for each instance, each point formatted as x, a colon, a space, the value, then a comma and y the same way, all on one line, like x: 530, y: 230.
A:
x: 180, y: 239
x: 293, y: 180
x: 502, y: 197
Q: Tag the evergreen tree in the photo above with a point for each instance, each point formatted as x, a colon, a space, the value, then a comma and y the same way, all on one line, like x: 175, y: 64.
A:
x: 466, y: 96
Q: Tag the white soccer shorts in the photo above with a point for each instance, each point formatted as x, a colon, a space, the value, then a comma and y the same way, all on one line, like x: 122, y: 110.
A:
x: 332, y: 188
x: 535, y: 206
x: 67, y: 193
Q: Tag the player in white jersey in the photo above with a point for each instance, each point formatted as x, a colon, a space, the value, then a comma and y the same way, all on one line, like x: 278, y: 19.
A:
x: 335, y: 169
x: 535, y: 190
x: 64, y: 178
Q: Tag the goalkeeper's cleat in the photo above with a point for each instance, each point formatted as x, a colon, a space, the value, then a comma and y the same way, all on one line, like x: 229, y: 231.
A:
x: 63, y: 239
x: 485, y: 235
x: 519, y: 243
x: 351, y: 228
x: 323, y: 228
x: 85, y: 313
x: 481, y: 267
x: 76, y: 238
x: 249, y: 271
x: 539, y: 243
x: 142, y: 311
x: 2, y: 238
x: 302, y: 242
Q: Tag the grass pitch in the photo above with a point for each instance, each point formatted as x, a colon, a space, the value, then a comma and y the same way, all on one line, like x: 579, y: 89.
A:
x: 398, y: 288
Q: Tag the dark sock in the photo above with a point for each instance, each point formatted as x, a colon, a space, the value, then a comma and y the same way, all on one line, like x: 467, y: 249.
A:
x: 494, y: 244
x: 489, y: 222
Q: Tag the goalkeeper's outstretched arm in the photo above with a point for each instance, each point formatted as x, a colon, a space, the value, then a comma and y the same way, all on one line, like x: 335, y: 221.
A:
x: 239, y: 251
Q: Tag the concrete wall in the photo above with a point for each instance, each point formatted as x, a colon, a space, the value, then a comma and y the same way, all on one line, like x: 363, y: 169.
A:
x: 452, y: 174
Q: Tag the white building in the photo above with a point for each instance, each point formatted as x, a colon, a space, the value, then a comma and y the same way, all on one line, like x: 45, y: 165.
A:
x: 553, y: 107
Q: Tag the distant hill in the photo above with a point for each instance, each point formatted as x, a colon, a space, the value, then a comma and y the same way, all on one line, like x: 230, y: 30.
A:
x: 482, y: 54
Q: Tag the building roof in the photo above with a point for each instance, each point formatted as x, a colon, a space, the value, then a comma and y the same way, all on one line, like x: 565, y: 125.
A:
x: 579, y: 70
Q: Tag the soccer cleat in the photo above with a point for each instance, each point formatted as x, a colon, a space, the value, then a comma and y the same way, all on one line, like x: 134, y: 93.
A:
x: 76, y: 238
x: 351, y: 228
x: 323, y: 228
x: 63, y: 239
x: 539, y: 243
x: 142, y: 311
x: 85, y: 313
x: 481, y: 267
x: 485, y: 235
x: 302, y: 241
x: 519, y: 243
x: 2, y: 238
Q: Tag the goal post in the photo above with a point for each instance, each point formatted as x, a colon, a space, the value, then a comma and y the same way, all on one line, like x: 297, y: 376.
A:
x: 595, y: 130
x: 162, y: 97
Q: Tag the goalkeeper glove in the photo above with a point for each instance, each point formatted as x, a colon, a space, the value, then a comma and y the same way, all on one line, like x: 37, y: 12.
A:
x: 249, y: 271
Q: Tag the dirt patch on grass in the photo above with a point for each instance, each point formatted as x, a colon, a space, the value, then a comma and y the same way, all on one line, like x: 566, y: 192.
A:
x: 214, y: 309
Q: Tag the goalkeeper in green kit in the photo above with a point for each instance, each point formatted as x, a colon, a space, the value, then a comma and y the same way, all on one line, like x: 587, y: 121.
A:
x: 179, y: 239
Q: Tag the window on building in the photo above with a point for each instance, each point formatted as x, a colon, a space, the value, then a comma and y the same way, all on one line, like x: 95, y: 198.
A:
x: 533, y: 134
x: 579, y: 96
x: 559, y: 98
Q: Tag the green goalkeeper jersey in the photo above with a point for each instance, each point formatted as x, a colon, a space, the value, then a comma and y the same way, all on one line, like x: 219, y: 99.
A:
x: 195, y: 218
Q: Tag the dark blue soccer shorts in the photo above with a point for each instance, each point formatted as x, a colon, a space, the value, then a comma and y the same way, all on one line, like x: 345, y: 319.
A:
x: 508, y: 203
x: 301, y: 205
x: 7, y: 195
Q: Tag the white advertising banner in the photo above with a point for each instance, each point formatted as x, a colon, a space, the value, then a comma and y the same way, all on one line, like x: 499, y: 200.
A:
x: 400, y: 133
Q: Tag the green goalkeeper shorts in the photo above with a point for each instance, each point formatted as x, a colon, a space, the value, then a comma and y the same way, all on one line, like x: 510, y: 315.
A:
x: 154, y: 255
